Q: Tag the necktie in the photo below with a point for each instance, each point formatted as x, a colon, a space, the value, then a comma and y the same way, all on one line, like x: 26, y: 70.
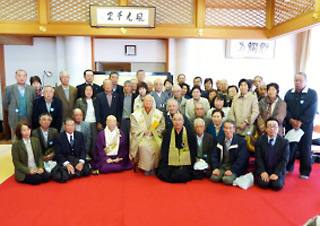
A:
x: 71, y: 141
x: 270, y: 155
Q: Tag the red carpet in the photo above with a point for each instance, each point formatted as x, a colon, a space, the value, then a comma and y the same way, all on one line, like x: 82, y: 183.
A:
x: 134, y: 199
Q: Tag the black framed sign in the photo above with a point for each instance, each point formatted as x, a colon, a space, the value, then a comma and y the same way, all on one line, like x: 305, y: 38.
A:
x: 130, y: 50
x: 122, y: 16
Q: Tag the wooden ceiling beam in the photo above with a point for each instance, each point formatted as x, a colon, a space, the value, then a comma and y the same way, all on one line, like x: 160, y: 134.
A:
x: 70, y: 29
x: 15, y: 40
x: 295, y: 25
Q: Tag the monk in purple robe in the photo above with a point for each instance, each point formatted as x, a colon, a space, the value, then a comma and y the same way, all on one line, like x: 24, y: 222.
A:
x: 112, y: 151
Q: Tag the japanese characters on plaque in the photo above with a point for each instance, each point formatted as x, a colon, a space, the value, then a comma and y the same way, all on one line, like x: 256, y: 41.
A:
x: 260, y: 49
x: 122, y: 16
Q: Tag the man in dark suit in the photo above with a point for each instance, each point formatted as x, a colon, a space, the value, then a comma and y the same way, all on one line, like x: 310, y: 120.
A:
x: 18, y: 100
x: 197, y: 81
x: 70, y: 153
x: 127, y: 102
x: 272, y: 153
x: 205, y: 146
x: 67, y: 94
x: 46, y: 135
x: 116, y: 88
x: 230, y: 156
x: 107, y: 103
x: 302, y: 105
x: 88, y: 76
x: 47, y: 104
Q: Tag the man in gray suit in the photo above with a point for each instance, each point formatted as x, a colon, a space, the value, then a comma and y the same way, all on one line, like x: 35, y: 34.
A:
x: 84, y: 128
x: 67, y: 94
x: 18, y: 101
x: 159, y: 96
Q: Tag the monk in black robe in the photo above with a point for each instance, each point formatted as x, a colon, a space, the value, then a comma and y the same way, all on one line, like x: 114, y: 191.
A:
x: 178, y: 151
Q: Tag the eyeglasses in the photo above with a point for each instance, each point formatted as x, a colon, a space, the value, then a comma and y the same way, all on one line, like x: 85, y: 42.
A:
x: 272, y: 126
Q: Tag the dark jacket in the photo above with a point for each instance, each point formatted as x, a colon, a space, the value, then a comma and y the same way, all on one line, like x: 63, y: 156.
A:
x: 83, y: 105
x: 238, y: 154
x: 96, y: 89
x: 46, y: 148
x: 301, y: 106
x: 62, y: 147
x: 281, y: 155
x: 102, y: 108
x: 39, y: 107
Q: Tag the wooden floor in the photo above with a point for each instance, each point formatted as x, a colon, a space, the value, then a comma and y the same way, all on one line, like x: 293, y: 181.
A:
x: 6, y: 166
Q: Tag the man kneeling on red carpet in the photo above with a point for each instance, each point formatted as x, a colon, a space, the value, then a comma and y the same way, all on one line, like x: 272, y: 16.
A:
x: 230, y: 155
x: 272, y: 155
x: 70, y: 153
x: 178, y: 152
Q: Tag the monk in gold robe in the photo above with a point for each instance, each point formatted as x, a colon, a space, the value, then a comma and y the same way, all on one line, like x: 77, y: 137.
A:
x: 147, y: 127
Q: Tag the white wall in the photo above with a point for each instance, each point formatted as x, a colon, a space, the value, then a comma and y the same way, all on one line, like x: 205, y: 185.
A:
x: 113, y: 50
x: 55, y: 54
x: 206, y: 58
x: 194, y: 57
x: 34, y: 59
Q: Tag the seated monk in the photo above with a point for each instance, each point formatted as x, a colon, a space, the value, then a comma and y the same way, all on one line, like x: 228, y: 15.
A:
x: 179, y: 150
x: 147, y: 126
x: 112, y: 151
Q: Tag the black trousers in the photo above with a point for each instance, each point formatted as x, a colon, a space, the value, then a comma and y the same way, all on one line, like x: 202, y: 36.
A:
x: 304, y: 148
x: 36, y: 179
x: 273, y: 184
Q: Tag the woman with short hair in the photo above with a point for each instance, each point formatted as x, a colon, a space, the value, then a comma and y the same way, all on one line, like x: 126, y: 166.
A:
x: 27, y: 157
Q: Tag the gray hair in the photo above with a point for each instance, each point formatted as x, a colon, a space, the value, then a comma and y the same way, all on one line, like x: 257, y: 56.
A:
x: 63, y: 72
x: 199, y: 120
x: 230, y: 121
x: 127, y: 82
x: 176, y: 87
x: 199, y: 103
x: 172, y: 100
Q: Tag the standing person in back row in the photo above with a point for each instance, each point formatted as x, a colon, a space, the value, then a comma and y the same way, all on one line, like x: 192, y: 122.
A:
x: 302, y: 105
x: 67, y: 94
x: 18, y: 101
x: 89, y: 77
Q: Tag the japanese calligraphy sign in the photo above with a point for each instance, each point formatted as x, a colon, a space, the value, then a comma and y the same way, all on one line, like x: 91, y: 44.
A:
x: 256, y: 49
x: 109, y: 16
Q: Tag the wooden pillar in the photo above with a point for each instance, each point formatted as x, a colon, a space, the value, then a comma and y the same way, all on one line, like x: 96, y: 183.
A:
x: 270, y: 14
x: 7, y: 133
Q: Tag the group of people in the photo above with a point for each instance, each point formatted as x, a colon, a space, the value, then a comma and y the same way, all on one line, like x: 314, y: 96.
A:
x: 163, y: 129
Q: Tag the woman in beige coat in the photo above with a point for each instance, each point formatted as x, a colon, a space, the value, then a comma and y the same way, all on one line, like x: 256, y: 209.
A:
x: 244, y: 109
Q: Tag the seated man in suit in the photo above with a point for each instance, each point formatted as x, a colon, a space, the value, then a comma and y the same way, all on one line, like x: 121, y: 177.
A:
x: 272, y: 155
x: 88, y: 76
x: 178, y: 153
x: 46, y: 134
x: 47, y: 104
x: 204, y: 148
x: 230, y: 156
x: 70, y: 154
x: 83, y: 127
